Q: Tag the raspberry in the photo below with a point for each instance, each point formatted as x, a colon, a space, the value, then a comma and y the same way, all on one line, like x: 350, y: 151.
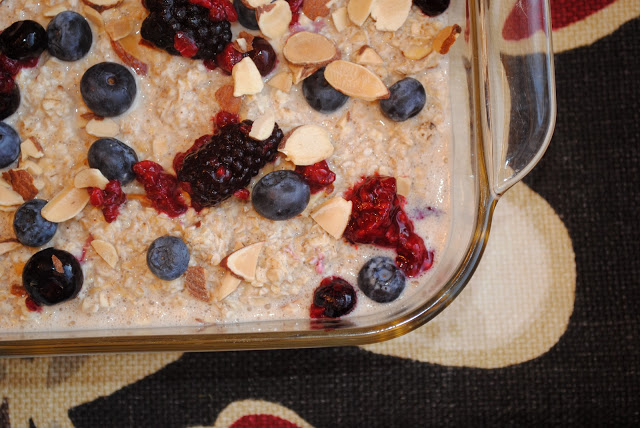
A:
x: 226, y: 163
x: 180, y: 26
x: 318, y: 176
x: 110, y: 199
x: 225, y: 118
x: 161, y: 188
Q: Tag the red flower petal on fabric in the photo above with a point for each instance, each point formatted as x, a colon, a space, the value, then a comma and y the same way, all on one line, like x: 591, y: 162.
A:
x: 262, y: 421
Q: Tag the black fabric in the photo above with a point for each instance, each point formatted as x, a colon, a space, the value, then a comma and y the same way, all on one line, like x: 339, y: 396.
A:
x: 590, y: 175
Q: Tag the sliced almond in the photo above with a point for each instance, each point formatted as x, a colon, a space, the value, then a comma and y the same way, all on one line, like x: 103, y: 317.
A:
x: 355, y: 80
x: 366, y: 55
x: 306, y: 145
x: 226, y: 100
x: 333, y: 216
x: 31, y: 166
x: 240, y: 44
x: 101, y: 5
x: 416, y: 52
x: 8, y: 197
x: 274, y: 19
x: 229, y: 284
x: 90, y: 177
x: 282, y: 81
x: 262, y: 127
x: 359, y: 11
x: 93, y: 15
x: 102, y: 128
x: 305, y: 48
x: 340, y: 19
x: 106, y: 251
x: 403, y: 186
x: 254, y: 4
x: 30, y: 148
x: 445, y: 38
x: 119, y: 28
x: 195, y: 283
x: 65, y: 205
x: 313, y: 9
x: 244, y: 262
x: 8, y: 245
x: 50, y: 13
x: 390, y: 15
x: 22, y: 182
x: 301, y: 72
x: 246, y: 78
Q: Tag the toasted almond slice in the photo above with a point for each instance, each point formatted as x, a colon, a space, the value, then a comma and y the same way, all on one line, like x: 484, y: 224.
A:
x: 366, y: 55
x: 355, y: 80
x: 119, y: 28
x: 390, y: 15
x: 243, y: 263
x: 65, y: 205
x: 403, y: 186
x: 30, y: 148
x: 306, y: 145
x: 301, y: 72
x: 101, y: 5
x: 262, y: 127
x: 8, y: 245
x: 246, y: 78
x: 274, y: 19
x: 21, y: 182
x: 50, y: 13
x: 306, y: 48
x: 102, y: 128
x: 93, y: 15
x: 359, y: 10
x: 333, y: 216
x: 90, y: 177
x: 416, y: 52
x: 445, y: 38
x: 31, y: 166
x: 226, y: 100
x: 106, y: 251
x: 254, y: 4
x: 240, y: 44
x: 229, y: 284
x: 9, y: 197
x: 282, y: 81
x: 340, y: 19
x: 315, y: 8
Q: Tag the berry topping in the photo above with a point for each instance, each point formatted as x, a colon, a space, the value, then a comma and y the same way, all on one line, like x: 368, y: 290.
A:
x: 225, y: 163
x: 246, y: 17
x: 161, y: 188
x: 263, y: 56
x: 432, y: 7
x: 23, y: 40
x: 110, y: 199
x: 378, y: 218
x: 108, y: 89
x: 168, y: 257
x: 205, y: 23
x: 185, y: 45
x: 9, y: 96
x: 318, y: 176
x: 114, y: 159
x: 320, y: 95
x: 229, y: 57
x: 407, y: 99
x: 9, y: 144
x: 334, y: 298
x: 296, y: 9
x: 31, y: 229
x: 381, y: 280
x: 224, y: 118
x: 280, y: 195
x: 70, y: 36
x: 52, y: 276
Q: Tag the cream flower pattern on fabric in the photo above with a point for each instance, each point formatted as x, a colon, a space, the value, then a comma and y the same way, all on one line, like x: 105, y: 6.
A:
x: 517, y: 305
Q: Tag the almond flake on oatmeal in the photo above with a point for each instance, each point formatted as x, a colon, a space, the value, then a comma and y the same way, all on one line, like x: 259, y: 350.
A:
x: 57, y: 264
x: 333, y: 216
x: 8, y: 197
x: 301, y: 72
x: 240, y: 44
x: 315, y: 8
x: 106, y: 251
x: 248, y: 37
x: 8, y: 245
x: 119, y: 28
x: 262, y: 127
x: 355, y: 80
x: 229, y: 284
x: 31, y: 166
x: 102, y: 5
x: 390, y: 15
x: 196, y: 284
x: 22, y: 182
x: 31, y: 148
x: 140, y: 67
x: 306, y: 145
x: 416, y: 52
x: 90, y: 177
x: 246, y: 78
x: 281, y: 81
x: 445, y: 38
x: 65, y: 205
x: 226, y: 100
x: 243, y: 262
x: 366, y: 55
x: 274, y: 19
x: 93, y: 15
x: 102, y: 128
x: 403, y: 186
x: 359, y: 10
x: 305, y: 48
x: 340, y: 19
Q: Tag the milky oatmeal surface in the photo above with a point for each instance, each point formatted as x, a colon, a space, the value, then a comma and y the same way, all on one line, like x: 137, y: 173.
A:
x: 174, y: 106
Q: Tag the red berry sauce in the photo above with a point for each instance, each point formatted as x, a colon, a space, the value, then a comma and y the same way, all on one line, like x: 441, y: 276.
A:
x: 32, y: 305
x: 110, y: 199
x: 13, y: 66
x: 318, y: 176
x: 224, y: 118
x: 296, y: 9
x: 161, y: 188
x: 228, y: 58
x: 378, y: 218
x: 185, y: 45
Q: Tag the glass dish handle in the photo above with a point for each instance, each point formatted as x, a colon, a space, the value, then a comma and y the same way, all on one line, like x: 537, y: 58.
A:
x: 518, y: 98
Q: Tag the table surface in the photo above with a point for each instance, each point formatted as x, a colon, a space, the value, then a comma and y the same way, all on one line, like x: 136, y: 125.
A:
x: 545, y: 333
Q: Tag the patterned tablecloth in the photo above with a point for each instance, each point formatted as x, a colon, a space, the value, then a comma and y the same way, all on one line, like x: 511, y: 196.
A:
x: 547, y: 332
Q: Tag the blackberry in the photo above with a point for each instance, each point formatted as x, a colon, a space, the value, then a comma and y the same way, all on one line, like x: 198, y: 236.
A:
x: 226, y: 163
x: 171, y: 21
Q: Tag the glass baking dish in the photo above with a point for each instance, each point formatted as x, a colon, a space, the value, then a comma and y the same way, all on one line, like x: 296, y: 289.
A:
x: 502, y: 98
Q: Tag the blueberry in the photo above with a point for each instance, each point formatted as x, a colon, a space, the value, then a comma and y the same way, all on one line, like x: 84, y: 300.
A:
x: 31, y: 229
x: 381, y: 280
x: 280, y: 195
x: 432, y: 7
x: 23, y: 40
x: 108, y: 89
x: 334, y: 298
x: 246, y: 17
x: 114, y: 159
x: 9, y: 96
x: 320, y: 94
x: 263, y: 56
x: 168, y: 257
x: 52, y: 276
x: 407, y: 99
x: 9, y: 145
x: 69, y: 35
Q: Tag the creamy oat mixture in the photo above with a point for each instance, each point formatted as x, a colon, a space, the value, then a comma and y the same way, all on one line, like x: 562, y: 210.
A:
x: 174, y: 106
